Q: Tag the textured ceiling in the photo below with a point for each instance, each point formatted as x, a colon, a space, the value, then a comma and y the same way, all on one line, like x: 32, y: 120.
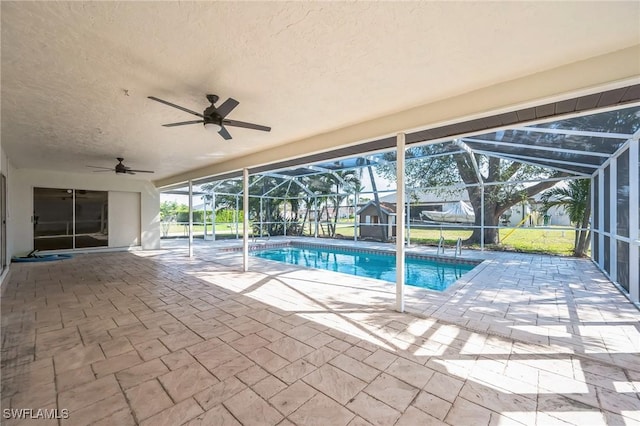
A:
x: 75, y: 76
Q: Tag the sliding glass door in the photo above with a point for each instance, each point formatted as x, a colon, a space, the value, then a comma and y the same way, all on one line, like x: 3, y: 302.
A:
x: 69, y: 218
x: 52, y: 219
x: 92, y: 228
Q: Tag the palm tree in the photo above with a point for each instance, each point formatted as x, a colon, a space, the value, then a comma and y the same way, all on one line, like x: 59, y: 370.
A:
x: 316, y: 184
x: 575, y: 198
x: 344, y: 180
x: 383, y: 229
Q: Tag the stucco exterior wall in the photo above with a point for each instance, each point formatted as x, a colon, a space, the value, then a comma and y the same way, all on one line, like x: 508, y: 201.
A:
x: 20, y: 189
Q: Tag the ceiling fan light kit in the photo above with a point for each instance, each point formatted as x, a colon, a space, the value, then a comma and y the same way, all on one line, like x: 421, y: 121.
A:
x: 213, y: 118
x: 212, y: 127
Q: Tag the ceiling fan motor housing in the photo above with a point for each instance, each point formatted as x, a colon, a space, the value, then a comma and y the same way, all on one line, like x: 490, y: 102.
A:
x: 120, y: 168
x: 211, y: 115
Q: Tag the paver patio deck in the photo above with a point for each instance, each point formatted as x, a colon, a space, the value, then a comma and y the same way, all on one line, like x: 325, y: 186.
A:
x: 155, y: 338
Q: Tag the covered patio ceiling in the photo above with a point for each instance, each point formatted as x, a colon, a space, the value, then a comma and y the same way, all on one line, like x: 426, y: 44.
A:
x: 76, y: 75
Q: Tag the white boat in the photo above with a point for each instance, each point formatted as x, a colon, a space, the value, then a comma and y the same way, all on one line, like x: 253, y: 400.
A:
x: 460, y: 212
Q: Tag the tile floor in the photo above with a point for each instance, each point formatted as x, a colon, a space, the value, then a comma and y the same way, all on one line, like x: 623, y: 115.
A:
x: 155, y: 338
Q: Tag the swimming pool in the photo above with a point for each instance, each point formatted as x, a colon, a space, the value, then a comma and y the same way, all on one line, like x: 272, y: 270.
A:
x: 419, y: 272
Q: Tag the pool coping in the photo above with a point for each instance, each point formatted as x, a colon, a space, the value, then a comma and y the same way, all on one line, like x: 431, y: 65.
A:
x: 389, y: 252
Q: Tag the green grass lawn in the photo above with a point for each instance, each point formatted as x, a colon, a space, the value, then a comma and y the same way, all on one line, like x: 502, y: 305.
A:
x: 527, y: 240
x: 533, y: 240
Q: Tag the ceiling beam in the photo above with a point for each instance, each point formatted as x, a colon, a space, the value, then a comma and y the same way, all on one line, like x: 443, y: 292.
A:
x: 532, y: 163
x: 558, y: 131
x: 549, y: 160
x: 540, y: 148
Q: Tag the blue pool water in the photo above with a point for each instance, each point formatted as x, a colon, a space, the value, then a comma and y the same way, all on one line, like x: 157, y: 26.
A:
x: 419, y: 272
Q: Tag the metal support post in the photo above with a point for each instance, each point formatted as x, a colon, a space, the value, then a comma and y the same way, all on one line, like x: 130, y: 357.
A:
x: 190, y: 218
x: 213, y: 216
x: 245, y: 203
x: 400, y: 221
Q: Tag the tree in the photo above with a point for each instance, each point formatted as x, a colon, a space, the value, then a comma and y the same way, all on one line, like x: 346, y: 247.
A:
x: 168, y: 210
x: 459, y: 168
x: 318, y: 185
x: 383, y: 229
x: 431, y: 167
x: 344, y: 182
x: 575, y: 198
x: 268, y: 211
x: 498, y: 198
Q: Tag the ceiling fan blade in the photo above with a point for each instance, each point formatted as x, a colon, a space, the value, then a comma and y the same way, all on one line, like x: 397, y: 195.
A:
x: 130, y: 172
x: 175, y: 106
x: 236, y: 123
x: 226, y: 107
x: 102, y: 171
x: 99, y: 167
x: 183, y: 123
x: 139, y: 171
x: 224, y: 133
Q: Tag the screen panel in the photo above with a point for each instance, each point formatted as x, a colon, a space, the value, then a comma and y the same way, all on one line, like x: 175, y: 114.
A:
x: 622, y: 269
x: 622, y: 194
x: 607, y: 254
x: 596, y: 202
x: 607, y: 199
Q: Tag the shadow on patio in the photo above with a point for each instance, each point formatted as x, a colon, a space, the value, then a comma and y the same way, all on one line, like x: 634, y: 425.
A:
x: 162, y: 339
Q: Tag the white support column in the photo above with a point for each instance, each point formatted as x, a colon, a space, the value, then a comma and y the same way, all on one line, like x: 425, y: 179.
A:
x: 190, y: 218
x: 482, y: 218
x: 73, y: 216
x: 245, y: 231
x: 601, y: 205
x: 634, y: 221
x: 355, y: 216
x: 213, y: 216
x: 613, y: 219
x: 284, y: 219
x: 315, y: 203
x: 204, y: 217
x: 592, y: 236
x: 259, y: 217
x: 408, y: 222
x: 237, y: 217
x: 400, y: 221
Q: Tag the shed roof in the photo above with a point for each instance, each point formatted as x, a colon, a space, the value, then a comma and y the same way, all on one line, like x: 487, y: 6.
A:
x: 387, y: 208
